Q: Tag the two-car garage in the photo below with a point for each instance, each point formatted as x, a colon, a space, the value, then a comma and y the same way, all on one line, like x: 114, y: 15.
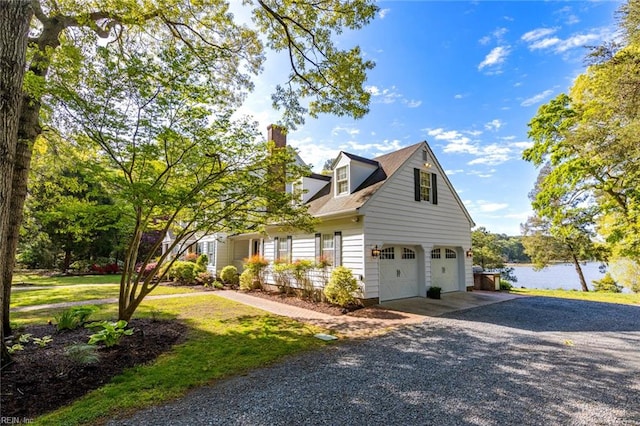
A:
x: 400, y: 271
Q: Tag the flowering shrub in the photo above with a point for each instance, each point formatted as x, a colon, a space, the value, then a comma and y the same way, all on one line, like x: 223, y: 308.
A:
x: 191, y: 257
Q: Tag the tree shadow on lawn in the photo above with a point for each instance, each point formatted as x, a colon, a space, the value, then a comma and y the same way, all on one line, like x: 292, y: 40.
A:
x: 555, y: 314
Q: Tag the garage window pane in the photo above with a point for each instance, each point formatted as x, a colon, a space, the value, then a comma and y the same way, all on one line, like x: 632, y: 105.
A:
x: 387, y: 253
x: 449, y: 254
x: 408, y: 253
x: 435, y: 253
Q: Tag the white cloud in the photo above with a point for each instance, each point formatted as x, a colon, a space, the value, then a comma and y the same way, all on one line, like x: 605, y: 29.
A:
x: 578, y: 40
x: 412, y: 103
x: 456, y: 141
x: 348, y: 130
x: 489, y: 207
x: 383, y: 12
x: 458, y: 96
x: 309, y: 149
x: 545, y: 43
x: 537, y: 34
x: 492, y: 155
x: 539, y: 39
x: 494, y: 124
x: 382, y: 148
x: 485, y: 40
x: 522, y: 145
x: 453, y: 172
x: 498, y: 33
x: 373, y: 90
x: 572, y: 20
x: 385, y: 96
x: 496, y: 57
x: 536, y: 98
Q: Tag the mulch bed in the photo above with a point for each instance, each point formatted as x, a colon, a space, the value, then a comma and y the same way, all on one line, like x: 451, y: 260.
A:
x: 43, y: 379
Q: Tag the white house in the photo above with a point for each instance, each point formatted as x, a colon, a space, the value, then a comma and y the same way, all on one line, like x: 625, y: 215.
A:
x: 395, y: 221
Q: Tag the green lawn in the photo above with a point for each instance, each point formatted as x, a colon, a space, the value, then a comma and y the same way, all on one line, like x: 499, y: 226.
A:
x: 225, y: 338
x: 79, y: 293
x: 43, y: 280
x: 622, y: 298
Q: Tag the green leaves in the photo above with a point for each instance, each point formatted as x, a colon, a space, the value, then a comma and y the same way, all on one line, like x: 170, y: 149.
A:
x: 589, y: 139
x: 110, y: 333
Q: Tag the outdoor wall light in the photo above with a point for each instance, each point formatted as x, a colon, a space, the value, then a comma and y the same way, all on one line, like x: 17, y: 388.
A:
x: 375, y: 251
x: 469, y: 253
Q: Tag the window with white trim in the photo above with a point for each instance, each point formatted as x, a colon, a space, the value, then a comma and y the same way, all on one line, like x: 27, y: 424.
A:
x: 425, y: 186
x: 342, y: 180
x: 435, y: 253
x: 283, y: 249
x: 327, y: 246
x: 211, y: 251
x: 449, y: 254
x: 408, y: 253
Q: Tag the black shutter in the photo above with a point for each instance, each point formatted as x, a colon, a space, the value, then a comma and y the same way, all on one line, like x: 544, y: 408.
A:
x: 434, y: 188
x: 416, y: 184
x: 289, y: 248
x: 318, y: 246
x: 276, y: 249
x: 337, y: 248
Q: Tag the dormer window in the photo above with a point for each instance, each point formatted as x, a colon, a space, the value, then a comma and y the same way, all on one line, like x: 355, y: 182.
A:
x: 342, y: 180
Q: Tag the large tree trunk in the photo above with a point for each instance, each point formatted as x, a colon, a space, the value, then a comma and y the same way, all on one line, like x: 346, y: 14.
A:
x: 15, y: 17
x: 28, y: 131
x: 576, y: 264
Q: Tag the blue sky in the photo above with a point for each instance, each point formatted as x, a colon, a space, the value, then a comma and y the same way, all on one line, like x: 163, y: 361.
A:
x: 466, y: 77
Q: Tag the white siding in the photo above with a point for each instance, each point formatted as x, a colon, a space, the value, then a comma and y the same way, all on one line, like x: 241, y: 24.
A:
x: 393, y: 216
x: 311, y: 187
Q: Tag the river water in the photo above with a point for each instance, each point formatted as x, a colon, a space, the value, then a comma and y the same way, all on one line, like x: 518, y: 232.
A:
x: 558, y: 276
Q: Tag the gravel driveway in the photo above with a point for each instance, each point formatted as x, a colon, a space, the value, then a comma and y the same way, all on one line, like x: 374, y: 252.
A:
x: 530, y: 361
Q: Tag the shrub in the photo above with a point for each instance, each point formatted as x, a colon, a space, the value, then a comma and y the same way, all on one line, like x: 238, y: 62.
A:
x: 248, y: 281
x: 300, y: 269
x: 110, y: 333
x: 229, y: 275
x: 111, y: 268
x: 70, y: 319
x: 147, y: 270
x: 202, y: 263
x: 204, y: 278
x: 282, y: 276
x: 342, y: 287
x: 606, y: 285
x: 183, y: 272
x: 217, y: 284
x: 191, y: 257
x: 256, y: 264
x: 505, y: 285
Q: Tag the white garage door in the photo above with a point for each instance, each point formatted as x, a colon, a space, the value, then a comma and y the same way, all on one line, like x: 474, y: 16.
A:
x: 398, y: 273
x: 444, y: 269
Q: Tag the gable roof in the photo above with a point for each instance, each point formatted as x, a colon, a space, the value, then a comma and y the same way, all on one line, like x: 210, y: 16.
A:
x: 325, y: 204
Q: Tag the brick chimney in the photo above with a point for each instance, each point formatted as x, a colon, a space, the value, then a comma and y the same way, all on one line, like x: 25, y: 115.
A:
x: 276, y: 134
